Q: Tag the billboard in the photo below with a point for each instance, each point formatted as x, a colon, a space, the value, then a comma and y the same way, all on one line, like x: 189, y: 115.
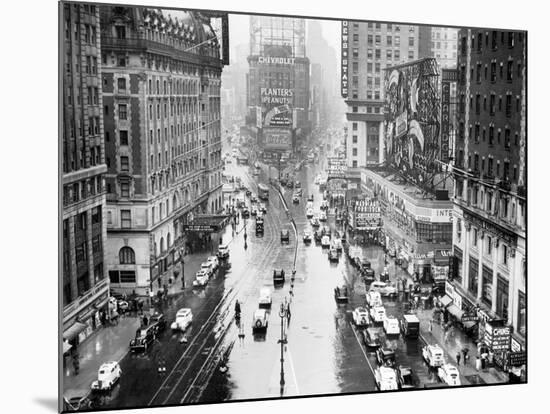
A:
x: 412, y: 118
x: 344, y: 61
x: 277, y: 139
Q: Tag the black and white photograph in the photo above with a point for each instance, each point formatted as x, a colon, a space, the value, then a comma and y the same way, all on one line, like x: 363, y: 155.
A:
x: 263, y: 206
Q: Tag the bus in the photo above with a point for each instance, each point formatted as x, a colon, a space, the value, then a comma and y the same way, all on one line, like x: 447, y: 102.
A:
x: 263, y: 192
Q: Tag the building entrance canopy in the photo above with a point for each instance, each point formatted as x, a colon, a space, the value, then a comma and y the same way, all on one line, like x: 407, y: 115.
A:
x: 206, y: 223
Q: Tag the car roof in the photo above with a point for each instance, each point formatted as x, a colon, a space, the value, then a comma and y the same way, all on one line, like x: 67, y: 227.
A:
x: 183, y: 311
x: 411, y: 318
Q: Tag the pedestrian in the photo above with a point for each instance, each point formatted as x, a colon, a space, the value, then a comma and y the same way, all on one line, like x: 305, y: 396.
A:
x: 145, y: 320
x: 431, y: 325
x: 458, y: 358
x: 159, y: 282
x: 465, y: 354
x: 140, y: 306
x: 478, y: 363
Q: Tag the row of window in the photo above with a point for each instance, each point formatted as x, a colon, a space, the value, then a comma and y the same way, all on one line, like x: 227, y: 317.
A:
x: 90, y: 65
x: 490, y: 40
x: 377, y: 54
x: 75, y: 192
x: 451, y: 45
x: 492, y: 72
x: 491, y: 105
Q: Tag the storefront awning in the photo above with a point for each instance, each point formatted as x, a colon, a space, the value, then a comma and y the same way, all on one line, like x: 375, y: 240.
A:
x: 66, y: 347
x: 445, y: 300
x: 455, y: 311
x: 74, y: 330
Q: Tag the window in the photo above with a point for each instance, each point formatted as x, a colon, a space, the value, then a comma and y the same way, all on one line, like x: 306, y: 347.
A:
x: 411, y: 54
x: 507, y: 139
x: 125, y: 189
x: 502, y: 297
x: 369, y: 53
x: 126, y: 255
x: 504, y: 257
x: 354, y: 163
x: 96, y: 244
x: 355, y: 37
x: 121, y: 84
x: 377, y: 53
x: 354, y: 109
x: 369, y: 40
x: 389, y: 40
x: 522, y: 316
x: 493, y: 71
x: 121, y: 60
x: 487, y: 286
x: 489, y: 245
x: 411, y: 41
x: 510, y: 70
x: 354, y: 152
x: 510, y: 39
x: 355, y: 52
x: 389, y: 54
x: 508, y: 106
x: 354, y: 139
x: 472, y: 285
x: 122, y: 114
x: 474, y: 232
x: 123, y: 137
x: 377, y: 40
x: 396, y: 54
x: 96, y: 215
x: 354, y: 126
x: 125, y: 219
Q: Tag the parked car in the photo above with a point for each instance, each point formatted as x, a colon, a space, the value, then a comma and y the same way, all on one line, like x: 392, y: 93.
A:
x: 259, y: 321
x: 433, y: 355
x: 285, y: 236
x: 360, y: 316
x: 337, y: 242
x: 378, y: 314
x: 310, y: 198
x: 368, y: 276
x: 325, y: 241
x: 324, y: 205
x: 296, y: 198
x: 372, y: 337
x: 449, y: 374
x: 265, y: 298
x: 333, y: 255
x: 391, y: 325
x: 298, y: 191
x: 405, y: 377
x: 263, y: 208
x: 385, y: 357
x: 208, y: 267
x: 107, y: 376
x: 373, y: 298
x: 213, y: 260
x: 278, y: 276
x: 144, y: 339
x: 201, y: 278
x: 322, y: 216
x: 385, y: 378
x: 307, y: 237
x: 253, y: 198
x: 254, y: 211
x: 410, y: 326
x: 385, y: 289
x: 309, y: 205
x: 158, y: 320
x: 184, y: 317
x: 223, y: 251
x: 341, y: 294
x: 309, y: 213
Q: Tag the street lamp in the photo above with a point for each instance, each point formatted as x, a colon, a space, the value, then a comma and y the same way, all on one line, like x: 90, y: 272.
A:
x: 282, y: 341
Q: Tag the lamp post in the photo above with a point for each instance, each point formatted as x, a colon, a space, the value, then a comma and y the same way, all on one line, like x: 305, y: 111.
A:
x: 282, y: 341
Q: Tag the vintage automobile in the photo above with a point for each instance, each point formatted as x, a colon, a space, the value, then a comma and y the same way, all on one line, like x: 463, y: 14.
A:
x: 253, y: 198
x: 213, y: 260
x: 254, y: 211
x: 385, y: 357
x: 208, y: 267
x: 265, y: 298
x: 325, y: 231
x: 223, y: 251
x: 391, y: 325
x: 309, y: 213
x: 373, y: 298
x: 201, y: 278
x: 184, y: 317
x: 385, y: 275
x: 285, y: 236
x: 309, y: 205
x: 377, y: 314
x: 296, y: 198
x: 307, y: 237
x: 245, y: 213
x: 107, y: 376
x: 385, y: 289
x: 385, y: 378
x: 337, y: 243
x: 290, y: 184
x: 372, y: 337
x: 324, y: 205
x: 333, y: 255
x: 278, y: 276
x: 248, y: 192
x: 310, y: 198
x: 341, y: 294
x: 410, y: 326
x: 368, y: 276
x: 360, y: 316
x: 433, y: 355
x: 325, y: 241
x: 314, y: 222
x: 449, y: 374
x: 298, y: 191
x: 263, y: 208
x: 322, y: 216
x: 158, y: 320
x: 143, y: 339
x: 259, y: 321
x: 405, y: 377
x: 76, y: 400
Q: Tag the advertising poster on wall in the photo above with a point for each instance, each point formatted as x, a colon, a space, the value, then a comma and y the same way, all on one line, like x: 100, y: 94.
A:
x: 277, y: 139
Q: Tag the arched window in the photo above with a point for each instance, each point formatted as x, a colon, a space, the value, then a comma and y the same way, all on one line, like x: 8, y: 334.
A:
x: 168, y: 240
x: 174, y: 202
x: 126, y: 255
x: 162, y: 248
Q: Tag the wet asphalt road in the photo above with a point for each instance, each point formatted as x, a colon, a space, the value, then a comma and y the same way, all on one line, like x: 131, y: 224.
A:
x: 324, y: 354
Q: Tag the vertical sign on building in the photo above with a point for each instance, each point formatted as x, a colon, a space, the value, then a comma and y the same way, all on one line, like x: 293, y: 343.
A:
x: 225, y: 39
x: 445, y: 113
x: 344, y: 74
x: 259, y: 117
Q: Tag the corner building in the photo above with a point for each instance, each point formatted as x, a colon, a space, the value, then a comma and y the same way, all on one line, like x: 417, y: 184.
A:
x: 84, y: 286
x: 490, y: 179
x: 161, y: 103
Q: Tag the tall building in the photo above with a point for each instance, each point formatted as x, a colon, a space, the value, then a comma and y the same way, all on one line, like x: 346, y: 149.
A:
x: 444, y: 43
x: 234, y: 88
x: 278, y: 84
x: 490, y: 173
x: 85, y: 288
x: 161, y: 104
x: 367, y: 49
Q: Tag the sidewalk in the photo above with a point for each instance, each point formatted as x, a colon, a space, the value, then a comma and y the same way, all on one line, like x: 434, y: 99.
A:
x: 455, y: 343
x: 110, y: 343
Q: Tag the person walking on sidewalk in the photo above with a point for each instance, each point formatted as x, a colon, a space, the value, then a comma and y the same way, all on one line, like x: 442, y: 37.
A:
x: 458, y: 358
x: 431, y: 325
